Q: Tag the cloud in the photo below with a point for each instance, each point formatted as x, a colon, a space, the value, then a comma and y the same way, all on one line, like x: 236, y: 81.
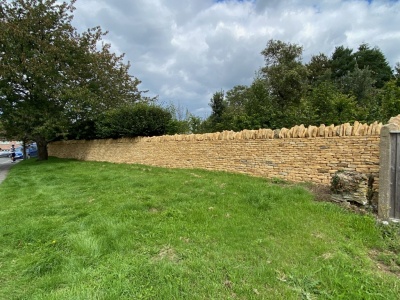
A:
x: 184, y: 51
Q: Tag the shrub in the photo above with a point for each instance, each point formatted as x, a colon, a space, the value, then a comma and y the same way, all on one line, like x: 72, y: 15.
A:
x: 138, y: 120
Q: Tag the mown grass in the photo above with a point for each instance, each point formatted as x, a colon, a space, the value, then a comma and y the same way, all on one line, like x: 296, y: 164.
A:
x: 90, y: 230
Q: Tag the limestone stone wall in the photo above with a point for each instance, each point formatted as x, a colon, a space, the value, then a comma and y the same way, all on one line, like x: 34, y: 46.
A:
x: 298, y: 154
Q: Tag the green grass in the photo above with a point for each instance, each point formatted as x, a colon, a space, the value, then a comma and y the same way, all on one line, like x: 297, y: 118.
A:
x: 90, y: 230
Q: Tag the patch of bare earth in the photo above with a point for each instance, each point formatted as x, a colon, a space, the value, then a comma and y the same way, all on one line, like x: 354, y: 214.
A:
x: 393, y: 269
x: 167, y: 253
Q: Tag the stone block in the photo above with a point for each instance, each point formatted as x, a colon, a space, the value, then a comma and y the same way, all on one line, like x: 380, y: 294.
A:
x: 321, y: 130
x: 356, y: 128
x: 395, y: 120
x: 350, y: 186
x: 347, y: 129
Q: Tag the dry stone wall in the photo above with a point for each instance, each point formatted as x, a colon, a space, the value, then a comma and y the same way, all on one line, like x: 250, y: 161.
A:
x: 297, y: 154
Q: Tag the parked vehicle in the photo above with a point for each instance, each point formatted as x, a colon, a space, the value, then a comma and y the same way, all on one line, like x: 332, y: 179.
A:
x: 4, y: 153
x: 19, y: 154
x: 31, y: 151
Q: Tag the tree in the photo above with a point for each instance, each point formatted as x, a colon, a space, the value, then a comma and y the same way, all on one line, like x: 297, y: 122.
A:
x: 374, y: 60
x: 285, y: 74
x: 218, y: 106
x: 342, y: 62
x: 183, y: 122
x: 196, y: 124
x: 236, y: 99
x: 261, y: 107
x: 319, y: 68
x: 330, y: 106
x: 235, y: 115
x: 397, y: 70
x: 244, y: 107
x: 52, y: 77
x: 2, y: 131
x: 359, y: 82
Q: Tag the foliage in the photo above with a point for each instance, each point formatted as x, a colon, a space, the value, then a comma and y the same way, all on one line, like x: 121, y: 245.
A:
x: 342, y: 62
x: 141, y: 119
x: 179, y: 122
x: 285, y: 74
x: 218, y: 105
x: 196, y: 124
x: 246, y: 108
x: 390, y: 100
x: 319, y: 68
x: 374, y: 60
x: 178, y: 127
x: 95, y: 230
x: 2, y: 131
x: 82, y: 130
x: 330, y: 106
x: 261, y: 106
x: 52, y: 77
x: 397, y: 73
x: 184, y: 122
x: 358, y: 83
x: 344, y: 87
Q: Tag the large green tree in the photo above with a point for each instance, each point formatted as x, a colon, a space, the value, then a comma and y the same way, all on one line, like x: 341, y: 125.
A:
x: 249, y: 107
x: 284, y: 72
x: 218, y: 106
x: 360, y: 84
x: 319, y: 68
x: 342, y: 62
x: 51, y: 76
x: 374, y: 60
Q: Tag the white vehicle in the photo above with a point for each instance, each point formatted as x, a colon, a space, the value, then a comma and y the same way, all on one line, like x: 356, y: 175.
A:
x: 4, y: 153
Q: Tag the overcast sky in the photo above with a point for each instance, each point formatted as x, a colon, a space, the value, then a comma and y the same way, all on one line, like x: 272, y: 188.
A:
x: 186, y: 50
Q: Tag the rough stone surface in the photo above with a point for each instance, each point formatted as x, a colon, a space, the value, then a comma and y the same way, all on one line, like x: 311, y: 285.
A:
x: 350, y: 186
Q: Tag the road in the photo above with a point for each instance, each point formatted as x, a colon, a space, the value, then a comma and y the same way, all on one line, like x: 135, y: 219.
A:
x: 5, y: 164
x: 5, y: 160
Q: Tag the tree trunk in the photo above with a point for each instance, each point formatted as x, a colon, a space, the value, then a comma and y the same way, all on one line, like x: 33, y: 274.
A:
x: 24, y: 150
x: 42, y: 148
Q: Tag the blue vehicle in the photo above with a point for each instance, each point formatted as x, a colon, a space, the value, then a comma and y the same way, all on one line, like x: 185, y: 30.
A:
x: 31, y: 151
x: 19, y: 154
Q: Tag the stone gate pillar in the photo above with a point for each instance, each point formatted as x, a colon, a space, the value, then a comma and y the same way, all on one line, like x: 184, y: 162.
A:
x: 385, y: 159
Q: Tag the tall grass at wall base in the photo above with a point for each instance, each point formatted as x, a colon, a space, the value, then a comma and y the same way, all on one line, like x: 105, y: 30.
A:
x: 92, y: 230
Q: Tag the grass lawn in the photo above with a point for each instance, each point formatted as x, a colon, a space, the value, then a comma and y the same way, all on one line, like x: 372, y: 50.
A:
x: 91, y: 230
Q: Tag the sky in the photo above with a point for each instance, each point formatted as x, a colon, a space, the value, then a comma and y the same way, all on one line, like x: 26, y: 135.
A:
x: 184, y: 51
